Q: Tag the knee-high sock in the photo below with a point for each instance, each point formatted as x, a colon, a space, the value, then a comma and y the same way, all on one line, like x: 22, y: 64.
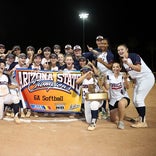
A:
x: 103, y: 107
x: 94, y: 115
x: 16, y: 108
x: 141, y: 111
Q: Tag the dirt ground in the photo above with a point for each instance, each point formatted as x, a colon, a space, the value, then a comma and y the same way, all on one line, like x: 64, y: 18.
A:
x: 60, y: 137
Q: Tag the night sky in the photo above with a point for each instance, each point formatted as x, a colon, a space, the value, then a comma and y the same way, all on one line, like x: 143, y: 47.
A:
x: 43, y: 23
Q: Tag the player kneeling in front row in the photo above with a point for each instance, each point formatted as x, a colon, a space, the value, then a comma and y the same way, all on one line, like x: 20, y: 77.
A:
x: 5, y: 96
x: 117, y: 83
x: 90, y: 107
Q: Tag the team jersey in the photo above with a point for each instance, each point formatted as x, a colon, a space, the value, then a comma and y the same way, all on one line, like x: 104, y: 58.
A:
x: 107, y: 57
x: 44, y: 60
x: 13, y: 76
x: 116, y: 90
x: 85, y: 84
x: 4, y: 81
x: 32, y: 66
x: 56, y: 68
x: 134, y: 58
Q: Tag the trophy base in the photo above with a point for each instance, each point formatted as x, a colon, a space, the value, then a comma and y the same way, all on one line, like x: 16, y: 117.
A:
x: 96, y: 96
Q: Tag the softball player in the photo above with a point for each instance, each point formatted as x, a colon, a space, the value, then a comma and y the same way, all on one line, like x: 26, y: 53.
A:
x: 90, y: 107
x: 144, y: 81
x: 5, y: 96
x: 117, y: 83
x: 21, y: 64
x: 104, y: 63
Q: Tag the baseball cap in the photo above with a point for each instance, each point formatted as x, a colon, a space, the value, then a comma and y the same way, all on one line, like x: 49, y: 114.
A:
x: 53, y: 55
x: 56, y: 46
x: 37, y: 55
x: 47, y: 49
x: 68, y: 46
x: 30, y: 48
x: 85, y: 69
x: 82, y: 58
x: 77, y: 47
x: 22, y: 55
x: 99, y: 37
x: 16, y: 47
x: 2, y: 46
x: 10, y: 56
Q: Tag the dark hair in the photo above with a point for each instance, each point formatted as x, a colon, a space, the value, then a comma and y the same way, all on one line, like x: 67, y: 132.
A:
x: 2, y: 61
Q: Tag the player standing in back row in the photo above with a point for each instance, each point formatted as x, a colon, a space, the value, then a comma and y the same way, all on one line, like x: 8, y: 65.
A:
x: 144, y: 81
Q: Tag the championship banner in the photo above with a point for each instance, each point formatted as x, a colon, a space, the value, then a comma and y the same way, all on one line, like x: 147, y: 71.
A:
x: 47, y: 91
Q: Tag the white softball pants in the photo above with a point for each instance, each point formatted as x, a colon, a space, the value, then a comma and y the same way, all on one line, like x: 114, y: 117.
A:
x: 142, y: 88
x: 91, y: 105
x: 7, y: 99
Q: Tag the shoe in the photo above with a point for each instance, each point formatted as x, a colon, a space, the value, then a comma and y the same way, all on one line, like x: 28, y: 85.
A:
x: 7, y: 114
x: 17, y: 120
x: 121, y: 125
x: 72, y: 116
x: 140, y: 125
x: 52, y: 115
x: 35, y: 114
x: 46, y: 115
x: 91, y: 127
x: 28, y: 114
x: 22, y: 115
x: 12, y: 115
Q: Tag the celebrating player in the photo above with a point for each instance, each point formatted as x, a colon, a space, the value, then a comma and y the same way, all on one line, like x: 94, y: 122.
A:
x: 91, y: 107
x: 117, y: 84
x: 144, y: 81
x: 5, y: 96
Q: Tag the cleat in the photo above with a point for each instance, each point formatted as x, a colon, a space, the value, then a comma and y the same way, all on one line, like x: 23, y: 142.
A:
x: 22, y: 115
x: 91, y: 127
x: 28, y: 114
x: 12, y: 115
x: 45, y: 114
x: 140, y: 125
x: 8, y: 114
x: 36, y: 116
x: 120, y: 125
x: 17, y: 120
x: 72, y: 116
x: 52, y: 115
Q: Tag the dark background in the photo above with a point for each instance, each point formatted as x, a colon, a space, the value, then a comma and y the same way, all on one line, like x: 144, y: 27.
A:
x: 45, y: 23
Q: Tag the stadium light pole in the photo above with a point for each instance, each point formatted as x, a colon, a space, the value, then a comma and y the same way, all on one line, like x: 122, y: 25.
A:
x: 83, y: 16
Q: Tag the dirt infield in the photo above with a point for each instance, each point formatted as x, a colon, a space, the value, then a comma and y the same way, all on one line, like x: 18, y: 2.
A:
x: 71, y: 138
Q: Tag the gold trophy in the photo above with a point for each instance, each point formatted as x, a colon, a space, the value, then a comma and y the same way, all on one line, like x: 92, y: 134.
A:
x: 101, y: 95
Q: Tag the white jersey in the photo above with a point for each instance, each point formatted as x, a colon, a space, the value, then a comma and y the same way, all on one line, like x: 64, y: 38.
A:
x: 44, y: 60
x: 135, y: 59
x: 4, y: 80
x: 54, y: 68
x: 85, y: 84
x: 100, y: 66
x: 13, y: 76
x: 116, y: 90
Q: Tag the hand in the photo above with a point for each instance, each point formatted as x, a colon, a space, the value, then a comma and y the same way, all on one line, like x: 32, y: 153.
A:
x: 124, y: 60
x: 99, y: 60
x: 39, y: 51
x: 89, y: 48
